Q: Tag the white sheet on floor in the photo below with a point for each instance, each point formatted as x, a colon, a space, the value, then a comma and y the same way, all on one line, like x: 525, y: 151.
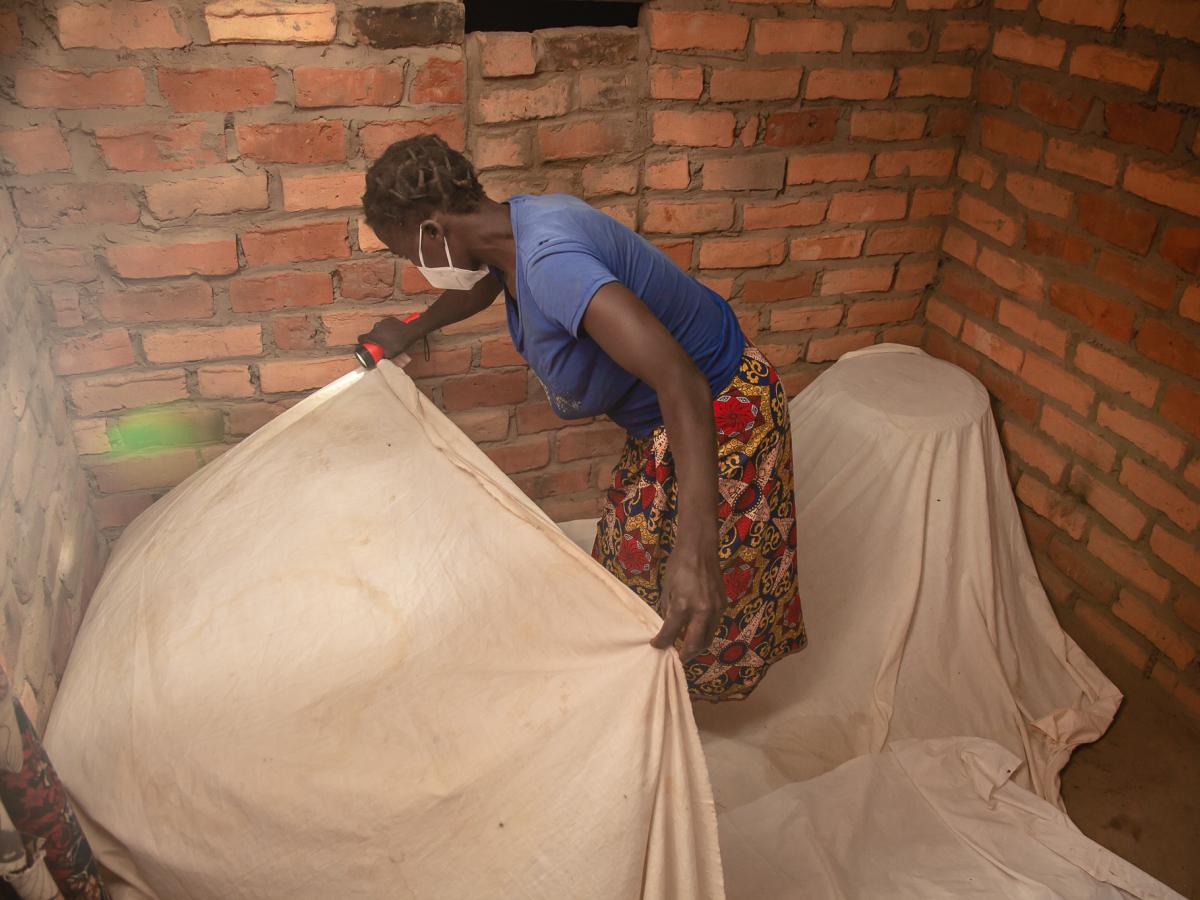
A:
x: 349, y: 659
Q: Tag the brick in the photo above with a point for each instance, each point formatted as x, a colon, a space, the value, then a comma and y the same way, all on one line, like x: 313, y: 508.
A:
x: 1057, y: 382
x: 1189, y: 303
x: 369, y: 86
x: 412, y: 25
x: 881, y: 312
x: 588, y: 48
x: 1012, y: 275
x: 584, y: 138
x: 10, y: 33
x: 521, y: 455
x: 318, y: 141
x: 1084, y: 569
x: 118, y: 26
x: 1111, y: 504
x: 886, y: 125
x: 31, y: 151
x: 45, y: 264
x: 1140, y: 616
x: 1174, y: 18
x: 505, y: 54
x: 439, y: 81
x: 1096, y: 311
x: 279, y: 291
x: 1027, y: 323
x: 1169, y: 346
x: 928, y: 202
x: 224, y: 380
x: 161, y: 147
x: 159, y: 303
x: 667, y: 174
x: 806, y: 318
x: 831, y: 348
x: 1063, y: 512
x: 798, y: 36
x: 976, y: 170
x: 910, y: 239
x: 317, y: 240
x: 1065, y: 108
x: 131, y: 390
x: 290, y: 376
x: 1149, y: 437
x: 494, y: 151
x: 1161, y: 494
x: 953, y: 121
x: 792, y: 128
x: 485, y: 389
x: 1035, y: 452
x: 991, y: 345
x: 1039, y: 195
x: 1035, y: 50
x: 188, y: 344
x: 76, y: 204
x: 889, y: 37
x: 1181, y: 406
x: 207, y: 196
x: 142, y: 471
x: 676, y: 82
x: 1116, y: 373
x: 845, y: 4
x: 592, y: 440
x: 687, y: 30
x: 1115, y: 66
x: 843, y: 244
x: 1180, y: 554
x: 826, y: 168
x: 600, y: 179
x: 1145, y: 126
x: 1086, y: 162
x: 1004, y: 137
x: 328, y: 190
x: 162, y: 260
x: 848, y: 84
x: 1182, y: 246
x: 1101, y: 626
x: 1147, y: 283
x: 482, y: 424
x: 730, y: 84
x: 868, y: 206
x: 860, y: 280
x: 270, y: 22
x: 986, y: 218
x: 1180, y: 83
x: 108, y: 349
x: 1177, y: 188
x: 498, y: 353
x: 515, y: 104
x: 915, y: 163
x: 960, y: 245
x: 216, y: 90
x: 607, y: 90
x: 741, y: 253
x: 296, y: 332
x: 936, y: 80
x: 744, y: 173
x: 943, y: 316
x: 773, y: 289
x: 58, y: 89
x: 995, y: 88
x: 689, y: 216
x: 565, y: 480
x: 376, y: 137
x: 65, y: 301
x: 1042, y: 239
x: 171, y: 427
x: 1080, y: 439
x: 693, y: 129
x: 959, y: 35
x: 1095, y: 13
x: 245, y: 418
x: 1116, y: 222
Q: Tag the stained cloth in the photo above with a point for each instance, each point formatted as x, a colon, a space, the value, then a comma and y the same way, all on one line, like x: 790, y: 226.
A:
x: 565, y: 251
x: 762, y: 621
x: 350, y: 659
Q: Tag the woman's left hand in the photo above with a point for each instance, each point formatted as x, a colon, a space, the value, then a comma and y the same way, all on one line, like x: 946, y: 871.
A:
x: 693, y: 597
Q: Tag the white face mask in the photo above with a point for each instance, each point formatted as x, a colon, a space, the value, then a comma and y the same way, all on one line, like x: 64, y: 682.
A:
x: 448, y: 277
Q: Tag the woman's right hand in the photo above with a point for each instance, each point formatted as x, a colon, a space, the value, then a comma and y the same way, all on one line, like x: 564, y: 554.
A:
x: 392, y: 335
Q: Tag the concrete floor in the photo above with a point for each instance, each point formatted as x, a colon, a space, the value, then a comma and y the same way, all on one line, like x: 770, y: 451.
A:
x: 1137, y: 789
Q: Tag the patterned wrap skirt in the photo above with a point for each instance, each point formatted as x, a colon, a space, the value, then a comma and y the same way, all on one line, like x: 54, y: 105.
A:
x: 762, y: 621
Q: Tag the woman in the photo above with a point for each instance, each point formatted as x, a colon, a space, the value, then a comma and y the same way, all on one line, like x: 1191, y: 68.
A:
x: 612, y: 327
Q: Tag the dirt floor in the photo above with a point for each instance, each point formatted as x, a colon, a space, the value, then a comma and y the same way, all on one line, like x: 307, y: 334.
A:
x: 1137, y: 789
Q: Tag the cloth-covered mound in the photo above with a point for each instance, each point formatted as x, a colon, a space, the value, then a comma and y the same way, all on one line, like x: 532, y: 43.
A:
x: 350, y: 659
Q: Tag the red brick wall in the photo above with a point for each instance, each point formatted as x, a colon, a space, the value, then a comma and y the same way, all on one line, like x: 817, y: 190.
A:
x: 1070, y: 288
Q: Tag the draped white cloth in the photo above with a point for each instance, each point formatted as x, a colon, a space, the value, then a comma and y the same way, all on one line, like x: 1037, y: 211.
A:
x: 349, y: 658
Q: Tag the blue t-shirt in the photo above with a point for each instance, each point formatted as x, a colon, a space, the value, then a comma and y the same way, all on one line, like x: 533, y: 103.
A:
x: 566, y: 251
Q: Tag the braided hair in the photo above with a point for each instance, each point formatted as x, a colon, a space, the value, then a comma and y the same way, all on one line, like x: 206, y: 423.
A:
x: 421, y: 174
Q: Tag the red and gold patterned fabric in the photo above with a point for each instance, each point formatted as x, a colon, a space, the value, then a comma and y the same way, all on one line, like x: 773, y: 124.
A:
x: 763, y: 621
